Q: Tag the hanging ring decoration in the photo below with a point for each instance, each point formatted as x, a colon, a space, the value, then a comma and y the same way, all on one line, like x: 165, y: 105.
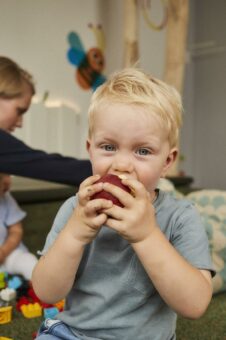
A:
x: 145, y: 6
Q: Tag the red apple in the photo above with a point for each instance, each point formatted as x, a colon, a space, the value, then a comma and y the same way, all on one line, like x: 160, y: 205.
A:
x: 113, y: 179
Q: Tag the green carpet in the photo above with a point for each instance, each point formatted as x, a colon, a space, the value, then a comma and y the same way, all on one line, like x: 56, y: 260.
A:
x: 212, y: 326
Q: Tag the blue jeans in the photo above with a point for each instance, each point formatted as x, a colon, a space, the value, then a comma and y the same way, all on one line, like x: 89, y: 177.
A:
x: 55, y: 329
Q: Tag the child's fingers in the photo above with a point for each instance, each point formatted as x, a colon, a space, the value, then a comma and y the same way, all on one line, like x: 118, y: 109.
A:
x: 89, y: 181
x: 99, y: 220
x: 88, y: 188
x: 124, y: 197
x: 136, y: 187
x: 97, y: 206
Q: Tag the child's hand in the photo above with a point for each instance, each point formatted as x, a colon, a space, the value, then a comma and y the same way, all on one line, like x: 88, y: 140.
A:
x: 88, y: 216
x: 136, y: 220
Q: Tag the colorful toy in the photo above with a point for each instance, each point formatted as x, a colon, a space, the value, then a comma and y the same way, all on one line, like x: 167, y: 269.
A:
x: 2, y: 280
x: 23, y: 289
x: 4, y: 338
x: 15, y: 282
x: 32, y: 295
x: 8, y: 294
x: 89, y: 64
x: 5, y: 314
x: 49, y: 313
x: 34, y: 335
x: 60, y: 305
x: 23, y: 300
x: 32, y: 310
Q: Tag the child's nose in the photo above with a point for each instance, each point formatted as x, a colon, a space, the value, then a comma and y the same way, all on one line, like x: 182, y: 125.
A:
x: 122, y: 163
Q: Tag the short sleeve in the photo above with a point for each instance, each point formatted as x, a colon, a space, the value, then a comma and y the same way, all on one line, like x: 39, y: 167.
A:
x: 13, y: 213
x: 190, y: 239
x: 60, y: 220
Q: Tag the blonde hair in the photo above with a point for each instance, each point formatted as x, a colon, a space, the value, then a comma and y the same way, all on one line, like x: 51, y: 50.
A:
x: 133, y: 86
x: 12, y: 79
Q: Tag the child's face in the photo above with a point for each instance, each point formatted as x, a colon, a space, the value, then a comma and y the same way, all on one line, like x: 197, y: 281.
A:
x: 127, y: 140
x: 11, y: 110
x: 5, y: 183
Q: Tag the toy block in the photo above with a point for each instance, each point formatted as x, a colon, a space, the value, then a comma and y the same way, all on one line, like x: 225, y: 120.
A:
x: 32, y: 310
x: 8, y: 294
x: 2, y: 280
x: 32, y: 295
x: 22, y: 301
x: 5, y: 314
x: 23, y: 289
x: 60, y: 305
x: 49, y: 313
x: 34, y: 335
x: 15, y: 282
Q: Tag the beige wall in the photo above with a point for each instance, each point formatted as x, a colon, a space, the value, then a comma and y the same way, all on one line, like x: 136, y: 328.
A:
x: 34, y: 33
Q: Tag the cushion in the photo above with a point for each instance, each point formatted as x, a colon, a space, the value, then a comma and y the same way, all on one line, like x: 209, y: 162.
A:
x: 166, y: 185
x: 212, y: 207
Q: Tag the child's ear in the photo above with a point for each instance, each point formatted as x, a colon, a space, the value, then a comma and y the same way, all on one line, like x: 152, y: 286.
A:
x: 169, y: 161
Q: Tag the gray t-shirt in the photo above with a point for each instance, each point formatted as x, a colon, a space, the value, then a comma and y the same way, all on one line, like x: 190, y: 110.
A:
x: 112, y: 296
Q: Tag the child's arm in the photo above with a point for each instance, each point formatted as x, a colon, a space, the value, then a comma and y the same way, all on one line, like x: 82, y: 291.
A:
x: 55, y: 272
x: 14, y: 237
x: 184, y: 288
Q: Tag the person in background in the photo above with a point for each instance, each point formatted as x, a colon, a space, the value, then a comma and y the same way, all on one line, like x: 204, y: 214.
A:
x: 15, y: 258
x: 16, y: 158
x: 126, y: 271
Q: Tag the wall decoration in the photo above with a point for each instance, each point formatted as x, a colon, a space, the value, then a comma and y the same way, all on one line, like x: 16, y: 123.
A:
x: 90, y: 64
x: 145, y: 8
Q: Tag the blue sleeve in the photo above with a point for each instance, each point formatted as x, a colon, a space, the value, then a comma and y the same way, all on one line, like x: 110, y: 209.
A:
x: 16, y: 158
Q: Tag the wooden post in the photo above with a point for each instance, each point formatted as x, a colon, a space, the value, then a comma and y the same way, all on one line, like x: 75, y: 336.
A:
x: 176, y: 37
x: 131, y: 53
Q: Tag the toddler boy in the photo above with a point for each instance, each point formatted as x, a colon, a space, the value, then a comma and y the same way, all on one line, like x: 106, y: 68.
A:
x: 126, y: 271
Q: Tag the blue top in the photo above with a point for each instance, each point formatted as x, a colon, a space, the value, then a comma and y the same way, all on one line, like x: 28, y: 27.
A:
x: 16, y: 158
x: 112, y: 296
x: 10, y: 213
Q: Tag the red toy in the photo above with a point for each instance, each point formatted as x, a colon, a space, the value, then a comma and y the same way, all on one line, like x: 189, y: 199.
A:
x: 22, y: 301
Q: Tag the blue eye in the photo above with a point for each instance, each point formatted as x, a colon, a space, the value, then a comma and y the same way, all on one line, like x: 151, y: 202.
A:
x: 108, y: 147
x: 143, y: 152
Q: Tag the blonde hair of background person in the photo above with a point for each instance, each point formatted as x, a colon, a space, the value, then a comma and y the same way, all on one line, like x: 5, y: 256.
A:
x: 12, y: 79
x: 127, y: 270
x: 14, y: 256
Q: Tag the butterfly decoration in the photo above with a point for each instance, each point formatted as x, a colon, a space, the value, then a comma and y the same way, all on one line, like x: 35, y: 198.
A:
x: 89, y: 64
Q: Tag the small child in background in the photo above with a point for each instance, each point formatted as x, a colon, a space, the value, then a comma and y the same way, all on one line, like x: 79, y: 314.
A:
x: 14, y: 256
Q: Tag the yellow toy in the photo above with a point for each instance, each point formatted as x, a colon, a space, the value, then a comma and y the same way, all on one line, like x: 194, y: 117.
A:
x: 2, y: 281
x: 32, y: 310
x: 4, y: 338
x: 5, y: 314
